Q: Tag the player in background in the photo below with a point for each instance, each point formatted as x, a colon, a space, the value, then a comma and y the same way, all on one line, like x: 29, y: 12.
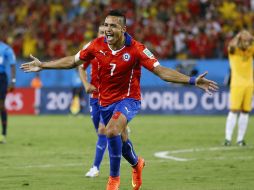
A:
x: 99, y: 126
x: 120, y: 59
x: 91, y: 88
x: 240, y: 53
x: 7, y: 57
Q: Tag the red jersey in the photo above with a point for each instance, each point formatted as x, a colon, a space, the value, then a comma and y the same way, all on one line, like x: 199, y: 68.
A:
x: 119, y: 71
x: 93, y: 75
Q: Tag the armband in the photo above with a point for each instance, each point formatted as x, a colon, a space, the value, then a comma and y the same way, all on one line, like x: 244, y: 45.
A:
x: 192, y: 81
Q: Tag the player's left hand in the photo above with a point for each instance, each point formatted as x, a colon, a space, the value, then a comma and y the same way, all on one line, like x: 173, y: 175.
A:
x: 33, y: 66
x: 207, y: 85
x: 90, y: 88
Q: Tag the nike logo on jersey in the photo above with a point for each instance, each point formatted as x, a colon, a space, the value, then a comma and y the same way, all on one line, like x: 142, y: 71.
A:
x: 102, y: 52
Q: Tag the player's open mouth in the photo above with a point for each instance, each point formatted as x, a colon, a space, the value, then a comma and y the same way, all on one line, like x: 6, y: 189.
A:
x: 109, y: 36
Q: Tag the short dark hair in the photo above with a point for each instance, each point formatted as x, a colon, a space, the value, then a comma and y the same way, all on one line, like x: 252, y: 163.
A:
x: 117, y: 13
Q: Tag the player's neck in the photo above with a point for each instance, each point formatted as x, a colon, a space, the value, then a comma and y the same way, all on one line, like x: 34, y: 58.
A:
x: 119, y: 44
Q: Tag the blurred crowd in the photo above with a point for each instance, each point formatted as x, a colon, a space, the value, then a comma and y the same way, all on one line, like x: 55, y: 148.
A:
x: 169, y: 28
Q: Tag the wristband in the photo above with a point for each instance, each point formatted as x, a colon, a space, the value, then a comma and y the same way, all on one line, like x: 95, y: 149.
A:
x: 13, y: 80
x: 192, y: 81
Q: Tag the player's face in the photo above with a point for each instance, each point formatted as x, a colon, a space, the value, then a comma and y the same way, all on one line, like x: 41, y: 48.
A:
x: 244, y: 42
x: 101, y: 31
x: 114, y: 30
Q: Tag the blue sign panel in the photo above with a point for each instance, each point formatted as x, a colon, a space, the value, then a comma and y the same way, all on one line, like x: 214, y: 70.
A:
x: 183, y: 100
x: 58, y: 101
x: 173, y: 99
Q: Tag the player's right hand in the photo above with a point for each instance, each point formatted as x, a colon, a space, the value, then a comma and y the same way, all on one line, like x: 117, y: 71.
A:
x: 33, y: 66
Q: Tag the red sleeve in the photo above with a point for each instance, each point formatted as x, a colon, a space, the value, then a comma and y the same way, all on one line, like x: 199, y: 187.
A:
x: 87, y: 53
x: 146, y: 58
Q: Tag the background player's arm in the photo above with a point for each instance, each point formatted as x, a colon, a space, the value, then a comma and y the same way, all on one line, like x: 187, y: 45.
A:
x: 11, y: 58
x: 171, y: 75
x: 233, y: 44
x: 13, y: 78
x: 242, y: 40
x: 83, y: 76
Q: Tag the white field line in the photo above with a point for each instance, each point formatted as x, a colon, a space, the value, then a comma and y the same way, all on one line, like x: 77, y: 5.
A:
x: 164, y: 157
x: 168, y: 154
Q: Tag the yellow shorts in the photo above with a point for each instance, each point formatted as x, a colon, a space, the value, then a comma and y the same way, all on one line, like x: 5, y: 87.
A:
x: 241, y: 98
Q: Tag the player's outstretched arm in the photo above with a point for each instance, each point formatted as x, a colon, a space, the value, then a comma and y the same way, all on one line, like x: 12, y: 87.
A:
x: 83, y: 76
x: 36, y: 65
x: 174, y: 76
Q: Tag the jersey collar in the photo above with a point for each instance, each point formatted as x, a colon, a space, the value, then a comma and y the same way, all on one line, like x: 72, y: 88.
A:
x: 128, y: 39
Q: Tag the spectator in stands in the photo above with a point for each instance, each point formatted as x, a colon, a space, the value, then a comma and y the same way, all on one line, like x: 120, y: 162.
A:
x: 76, y: 21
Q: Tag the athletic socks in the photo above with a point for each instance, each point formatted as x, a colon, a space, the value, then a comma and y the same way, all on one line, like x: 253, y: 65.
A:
x: 230, y: 125
x: 129, y: 153
x: 242, y: 126
x: 4, y: 122
x: 115, y: 153
x: 100, y: 149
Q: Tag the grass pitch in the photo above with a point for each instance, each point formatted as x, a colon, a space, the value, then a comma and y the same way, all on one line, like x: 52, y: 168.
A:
x: 54, y: 152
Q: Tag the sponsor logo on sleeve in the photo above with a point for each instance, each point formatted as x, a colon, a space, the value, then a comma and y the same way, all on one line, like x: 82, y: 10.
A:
x: 148, y: 53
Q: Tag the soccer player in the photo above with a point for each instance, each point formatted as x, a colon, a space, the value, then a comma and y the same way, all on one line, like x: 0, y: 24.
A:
x: 7, y: 57
x: 240, y: 52
x: 95, y: 115
x: 120, y: 59
x: 95, y: 110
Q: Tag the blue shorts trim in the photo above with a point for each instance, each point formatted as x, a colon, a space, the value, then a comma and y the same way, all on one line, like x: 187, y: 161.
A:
x: 95, y: 113
x: 129, y: 107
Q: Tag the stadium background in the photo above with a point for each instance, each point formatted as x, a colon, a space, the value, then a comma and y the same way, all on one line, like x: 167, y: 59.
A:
x: 53, y: 152
x: 188, y: 35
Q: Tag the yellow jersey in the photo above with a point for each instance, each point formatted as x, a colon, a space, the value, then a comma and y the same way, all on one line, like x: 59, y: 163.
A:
x: 241, y: 64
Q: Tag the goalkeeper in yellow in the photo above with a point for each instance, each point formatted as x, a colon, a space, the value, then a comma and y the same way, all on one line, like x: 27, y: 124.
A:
x: 240, y: 52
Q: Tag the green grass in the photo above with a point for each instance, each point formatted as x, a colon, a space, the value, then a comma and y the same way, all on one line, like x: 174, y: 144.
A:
x: 54, y: 152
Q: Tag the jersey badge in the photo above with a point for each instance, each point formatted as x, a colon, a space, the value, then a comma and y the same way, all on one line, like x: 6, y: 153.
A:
x: 126, y: 57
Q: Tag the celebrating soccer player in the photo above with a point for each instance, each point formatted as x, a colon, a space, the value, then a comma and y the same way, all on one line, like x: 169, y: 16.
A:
x: 120, y: 58
x: 240, y: 52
